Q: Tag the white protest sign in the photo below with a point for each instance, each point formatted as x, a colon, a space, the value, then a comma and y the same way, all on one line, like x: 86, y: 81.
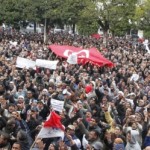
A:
x: 146, y: 45
x: 46, y: 64
x: 84, y: 142
x: 134, y: 77
x: 25, y: 63
x: 50, y: 133
x: 140, y: 33
x: 72, y: 59
x: 13, y: 43
x: 57, y: 105
x: 71, y: 113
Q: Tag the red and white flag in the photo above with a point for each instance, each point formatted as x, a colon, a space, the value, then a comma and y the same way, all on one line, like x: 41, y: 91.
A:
x: 80, y: 55
x: 52, y: 127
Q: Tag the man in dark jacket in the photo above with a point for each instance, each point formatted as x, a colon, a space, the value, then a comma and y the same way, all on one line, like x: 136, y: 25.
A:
x: 43, y: 110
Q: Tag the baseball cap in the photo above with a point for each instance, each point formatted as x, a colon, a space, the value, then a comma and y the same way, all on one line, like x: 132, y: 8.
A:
x: 72, y: 127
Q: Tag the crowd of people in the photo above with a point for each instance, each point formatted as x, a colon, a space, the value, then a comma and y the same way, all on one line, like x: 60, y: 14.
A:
x: 104, y: 108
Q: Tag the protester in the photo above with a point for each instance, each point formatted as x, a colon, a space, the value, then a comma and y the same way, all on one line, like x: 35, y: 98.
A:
x: 4, y: 141
x: 16, y: 146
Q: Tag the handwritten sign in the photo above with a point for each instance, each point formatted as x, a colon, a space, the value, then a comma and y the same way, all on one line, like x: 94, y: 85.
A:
x: 57, y: 105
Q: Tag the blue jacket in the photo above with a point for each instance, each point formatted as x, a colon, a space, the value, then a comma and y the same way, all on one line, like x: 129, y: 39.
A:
x: 147, y: 141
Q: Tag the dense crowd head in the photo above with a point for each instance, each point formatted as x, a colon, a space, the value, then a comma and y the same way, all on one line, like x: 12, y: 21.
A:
x: 104, y: 108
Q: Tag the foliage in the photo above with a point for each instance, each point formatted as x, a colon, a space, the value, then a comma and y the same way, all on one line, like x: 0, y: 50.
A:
x: 87, y: 22
x: 111, y: 15
x: 115, y: 14
x: 87, y: 28
x: 11, y: 11
x: 142, y: 16
x: 147, y: 33
x: 71, y: 10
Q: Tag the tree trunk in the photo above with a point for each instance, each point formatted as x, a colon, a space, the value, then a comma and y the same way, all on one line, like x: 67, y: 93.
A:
x: 73, y: 28
x: 113, y: 35
x: 34, y: 27
x: 105, y: 37
x: 45, y: 31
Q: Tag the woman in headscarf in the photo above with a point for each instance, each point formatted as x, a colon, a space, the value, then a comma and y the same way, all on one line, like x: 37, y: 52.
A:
x: 132, y: 143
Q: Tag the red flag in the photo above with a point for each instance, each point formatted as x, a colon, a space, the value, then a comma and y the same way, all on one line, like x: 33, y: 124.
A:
x: 88, y: 89
x: 54, y: 121
x: 84, y: 56
x: 96, y: 36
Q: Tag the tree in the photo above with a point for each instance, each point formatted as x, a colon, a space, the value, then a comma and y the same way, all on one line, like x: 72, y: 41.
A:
x: 30, y: 10
x: 88, y: 27
x: 11, y: 11
x: 70, y: 12
x: 87, y: 22
x: 115, y: 14
x: 142, y: 17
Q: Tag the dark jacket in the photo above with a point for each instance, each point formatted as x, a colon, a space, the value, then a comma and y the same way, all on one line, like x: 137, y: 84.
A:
x: 147, y: 141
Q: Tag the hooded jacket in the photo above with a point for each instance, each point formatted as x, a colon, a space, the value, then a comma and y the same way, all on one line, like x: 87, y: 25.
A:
x: 132, y: 144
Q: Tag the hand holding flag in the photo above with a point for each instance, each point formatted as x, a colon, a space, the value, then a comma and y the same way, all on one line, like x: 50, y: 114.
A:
x: 52, y: 127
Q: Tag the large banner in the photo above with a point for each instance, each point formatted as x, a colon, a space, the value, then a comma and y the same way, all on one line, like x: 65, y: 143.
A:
x: 46, y: 64
x: 84, y: 56
x: 25, y: 63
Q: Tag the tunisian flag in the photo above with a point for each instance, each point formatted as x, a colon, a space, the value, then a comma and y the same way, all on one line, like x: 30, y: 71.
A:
x: 52, y: 127
x: 84, y: 56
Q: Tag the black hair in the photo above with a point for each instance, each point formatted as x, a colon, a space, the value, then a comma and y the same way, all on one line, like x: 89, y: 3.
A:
x: 22, y: 135
x: 96, y: 132
x: 5, y: 135
x: 17, y: 143
x: 96, y: 119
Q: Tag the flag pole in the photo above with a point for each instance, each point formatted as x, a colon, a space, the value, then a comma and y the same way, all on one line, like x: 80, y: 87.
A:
x: 33, y: 144
x: 35, y: 139
x: 39, y: 132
